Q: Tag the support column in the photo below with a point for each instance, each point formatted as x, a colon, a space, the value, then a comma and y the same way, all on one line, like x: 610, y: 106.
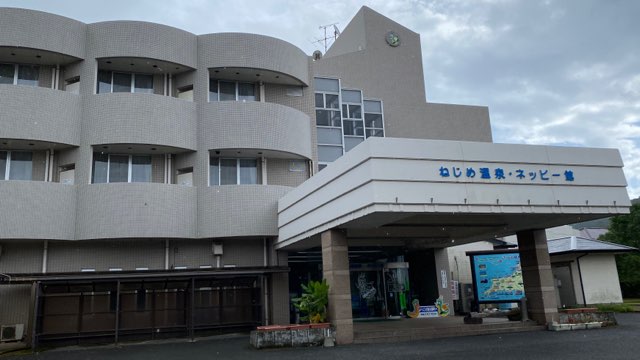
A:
x: 335, y: 269
x: 536, y: 274
x: 441, y: 257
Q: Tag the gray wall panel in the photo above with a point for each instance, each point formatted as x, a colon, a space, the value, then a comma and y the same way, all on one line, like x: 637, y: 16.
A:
x: 278, y: 173
x: 127, y: 210
x: 140, y: 119
x: 238, y: 210
x: 243, y: 252
x: 142, y: 40
x: 252, y: 51
x: 38, y: 165
x: 37, y: 210
x: 21, y: 256
x: 101, y: 255
x: 255, y: 125
x: 36, y: 113
x: 195, y: 253
x: 40, y: 30
x: 15, y: 305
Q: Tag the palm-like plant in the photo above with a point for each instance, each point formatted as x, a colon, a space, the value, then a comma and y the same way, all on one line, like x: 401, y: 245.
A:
x: 313, y: 302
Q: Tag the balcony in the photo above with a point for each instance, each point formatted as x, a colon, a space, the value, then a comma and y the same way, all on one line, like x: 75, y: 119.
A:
x: 60, y: 40
x: 239, y: 210
x: 40, y: 114
x: 130, y: 118
x: 137, y: 39
x: 288, y: 64
x: 37, y: 210
x: 256, y: 125
x: 136, y: 210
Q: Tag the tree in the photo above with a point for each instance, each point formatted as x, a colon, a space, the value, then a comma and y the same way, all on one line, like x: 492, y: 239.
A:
x: 625, y: 230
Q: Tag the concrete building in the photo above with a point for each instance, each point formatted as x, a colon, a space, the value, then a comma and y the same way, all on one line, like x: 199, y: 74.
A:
x: 161, y: 183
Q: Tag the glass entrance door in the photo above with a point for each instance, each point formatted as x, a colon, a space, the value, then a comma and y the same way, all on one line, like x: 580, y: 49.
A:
x: 367, y: 293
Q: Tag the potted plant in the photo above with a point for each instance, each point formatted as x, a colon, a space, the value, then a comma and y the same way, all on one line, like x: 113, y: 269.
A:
x: 313, y: 302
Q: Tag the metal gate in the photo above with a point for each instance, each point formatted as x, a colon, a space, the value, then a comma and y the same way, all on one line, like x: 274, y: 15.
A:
x: 109, y: 311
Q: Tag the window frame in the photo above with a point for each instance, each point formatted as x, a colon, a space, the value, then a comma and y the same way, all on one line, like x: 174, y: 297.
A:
x: 129, y: 168
x: 132, y: 84
x: 324, y: 94
x: 238, y: 169
x: 237, y: 90
x: 16, y: 73
x: 7, y: 165
x: 364, y: 117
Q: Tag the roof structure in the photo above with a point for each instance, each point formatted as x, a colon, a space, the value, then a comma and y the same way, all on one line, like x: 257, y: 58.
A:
x: 592, y: 233
x: 581, y: 245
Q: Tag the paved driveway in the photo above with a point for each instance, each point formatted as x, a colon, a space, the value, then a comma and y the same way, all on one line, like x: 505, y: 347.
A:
x: 621, y: 342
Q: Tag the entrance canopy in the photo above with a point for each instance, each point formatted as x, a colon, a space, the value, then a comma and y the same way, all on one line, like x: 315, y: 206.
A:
x: 442, y: 193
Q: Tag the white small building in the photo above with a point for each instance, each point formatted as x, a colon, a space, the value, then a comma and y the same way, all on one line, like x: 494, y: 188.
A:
x: 585, y: 270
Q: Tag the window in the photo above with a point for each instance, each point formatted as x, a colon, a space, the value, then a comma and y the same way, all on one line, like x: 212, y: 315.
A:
x: 328, y: 119
x: 112, y: 82
x: 352, y: 112
x: 220, y: 90
x: 19, y: 74
x: 373, y: 119
x: 230, y: 171
x: 15, y: 165
x: 110, y: 168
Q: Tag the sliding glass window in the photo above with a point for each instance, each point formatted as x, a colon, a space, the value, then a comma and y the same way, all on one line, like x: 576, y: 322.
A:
x: 113, y: 82
x: 16, y: 165
x: 231, y: 171
x: 220, y: 90
x: 19, y: 74
x: 110, y: 168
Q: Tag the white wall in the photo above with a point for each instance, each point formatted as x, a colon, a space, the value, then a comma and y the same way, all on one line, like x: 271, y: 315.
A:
x: 459, y: 264
x: 600, y: 279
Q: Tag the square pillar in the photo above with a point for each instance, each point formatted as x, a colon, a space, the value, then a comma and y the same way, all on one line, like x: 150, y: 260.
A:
x: 537, y: 276
x: 335, y: 270
x: 443, y: 275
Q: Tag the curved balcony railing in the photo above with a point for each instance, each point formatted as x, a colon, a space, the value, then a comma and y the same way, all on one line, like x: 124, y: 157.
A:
x: 41, y: 114
x: 239, y: 210
x: 239, y: 50
x: 140, y: 119
x: 136, y: 210
x: 37, y: 210
x: 255, y: 125
x: 31, y: 29
x: 139, y: 39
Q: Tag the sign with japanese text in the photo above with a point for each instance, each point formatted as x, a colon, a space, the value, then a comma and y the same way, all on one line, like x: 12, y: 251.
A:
x: 515, y: 173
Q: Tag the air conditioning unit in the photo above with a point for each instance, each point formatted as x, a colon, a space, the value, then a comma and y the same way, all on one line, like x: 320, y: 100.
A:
x: 11, y: 332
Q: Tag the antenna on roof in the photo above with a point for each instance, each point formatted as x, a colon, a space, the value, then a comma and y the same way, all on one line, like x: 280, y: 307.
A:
x: 336, y: 33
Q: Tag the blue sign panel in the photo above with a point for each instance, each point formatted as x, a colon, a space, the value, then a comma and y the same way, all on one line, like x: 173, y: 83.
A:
x: 497, y: 277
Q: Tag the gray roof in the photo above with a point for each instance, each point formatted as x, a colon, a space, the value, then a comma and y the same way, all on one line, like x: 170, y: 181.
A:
x: 592, y: 233
x: 580, y: 244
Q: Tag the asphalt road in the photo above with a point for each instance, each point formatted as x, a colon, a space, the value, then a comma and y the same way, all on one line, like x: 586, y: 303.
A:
x: 621, y: 342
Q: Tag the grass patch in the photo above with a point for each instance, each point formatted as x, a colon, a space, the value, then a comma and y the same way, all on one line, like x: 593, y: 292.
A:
x: 632, y: 301
x: 621, y: 308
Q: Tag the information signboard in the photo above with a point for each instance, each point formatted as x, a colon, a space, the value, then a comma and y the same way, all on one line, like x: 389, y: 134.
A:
x: 497, y: 276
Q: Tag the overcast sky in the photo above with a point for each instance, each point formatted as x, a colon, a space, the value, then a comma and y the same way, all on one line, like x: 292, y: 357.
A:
x: 552, y: 72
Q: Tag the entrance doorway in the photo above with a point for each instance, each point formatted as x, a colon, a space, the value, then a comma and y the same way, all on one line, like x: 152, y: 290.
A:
x: 564, y: 285
x: 383, y: 280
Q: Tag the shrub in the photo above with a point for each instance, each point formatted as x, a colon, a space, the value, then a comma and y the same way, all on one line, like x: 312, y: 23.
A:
x: 313, y: 302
